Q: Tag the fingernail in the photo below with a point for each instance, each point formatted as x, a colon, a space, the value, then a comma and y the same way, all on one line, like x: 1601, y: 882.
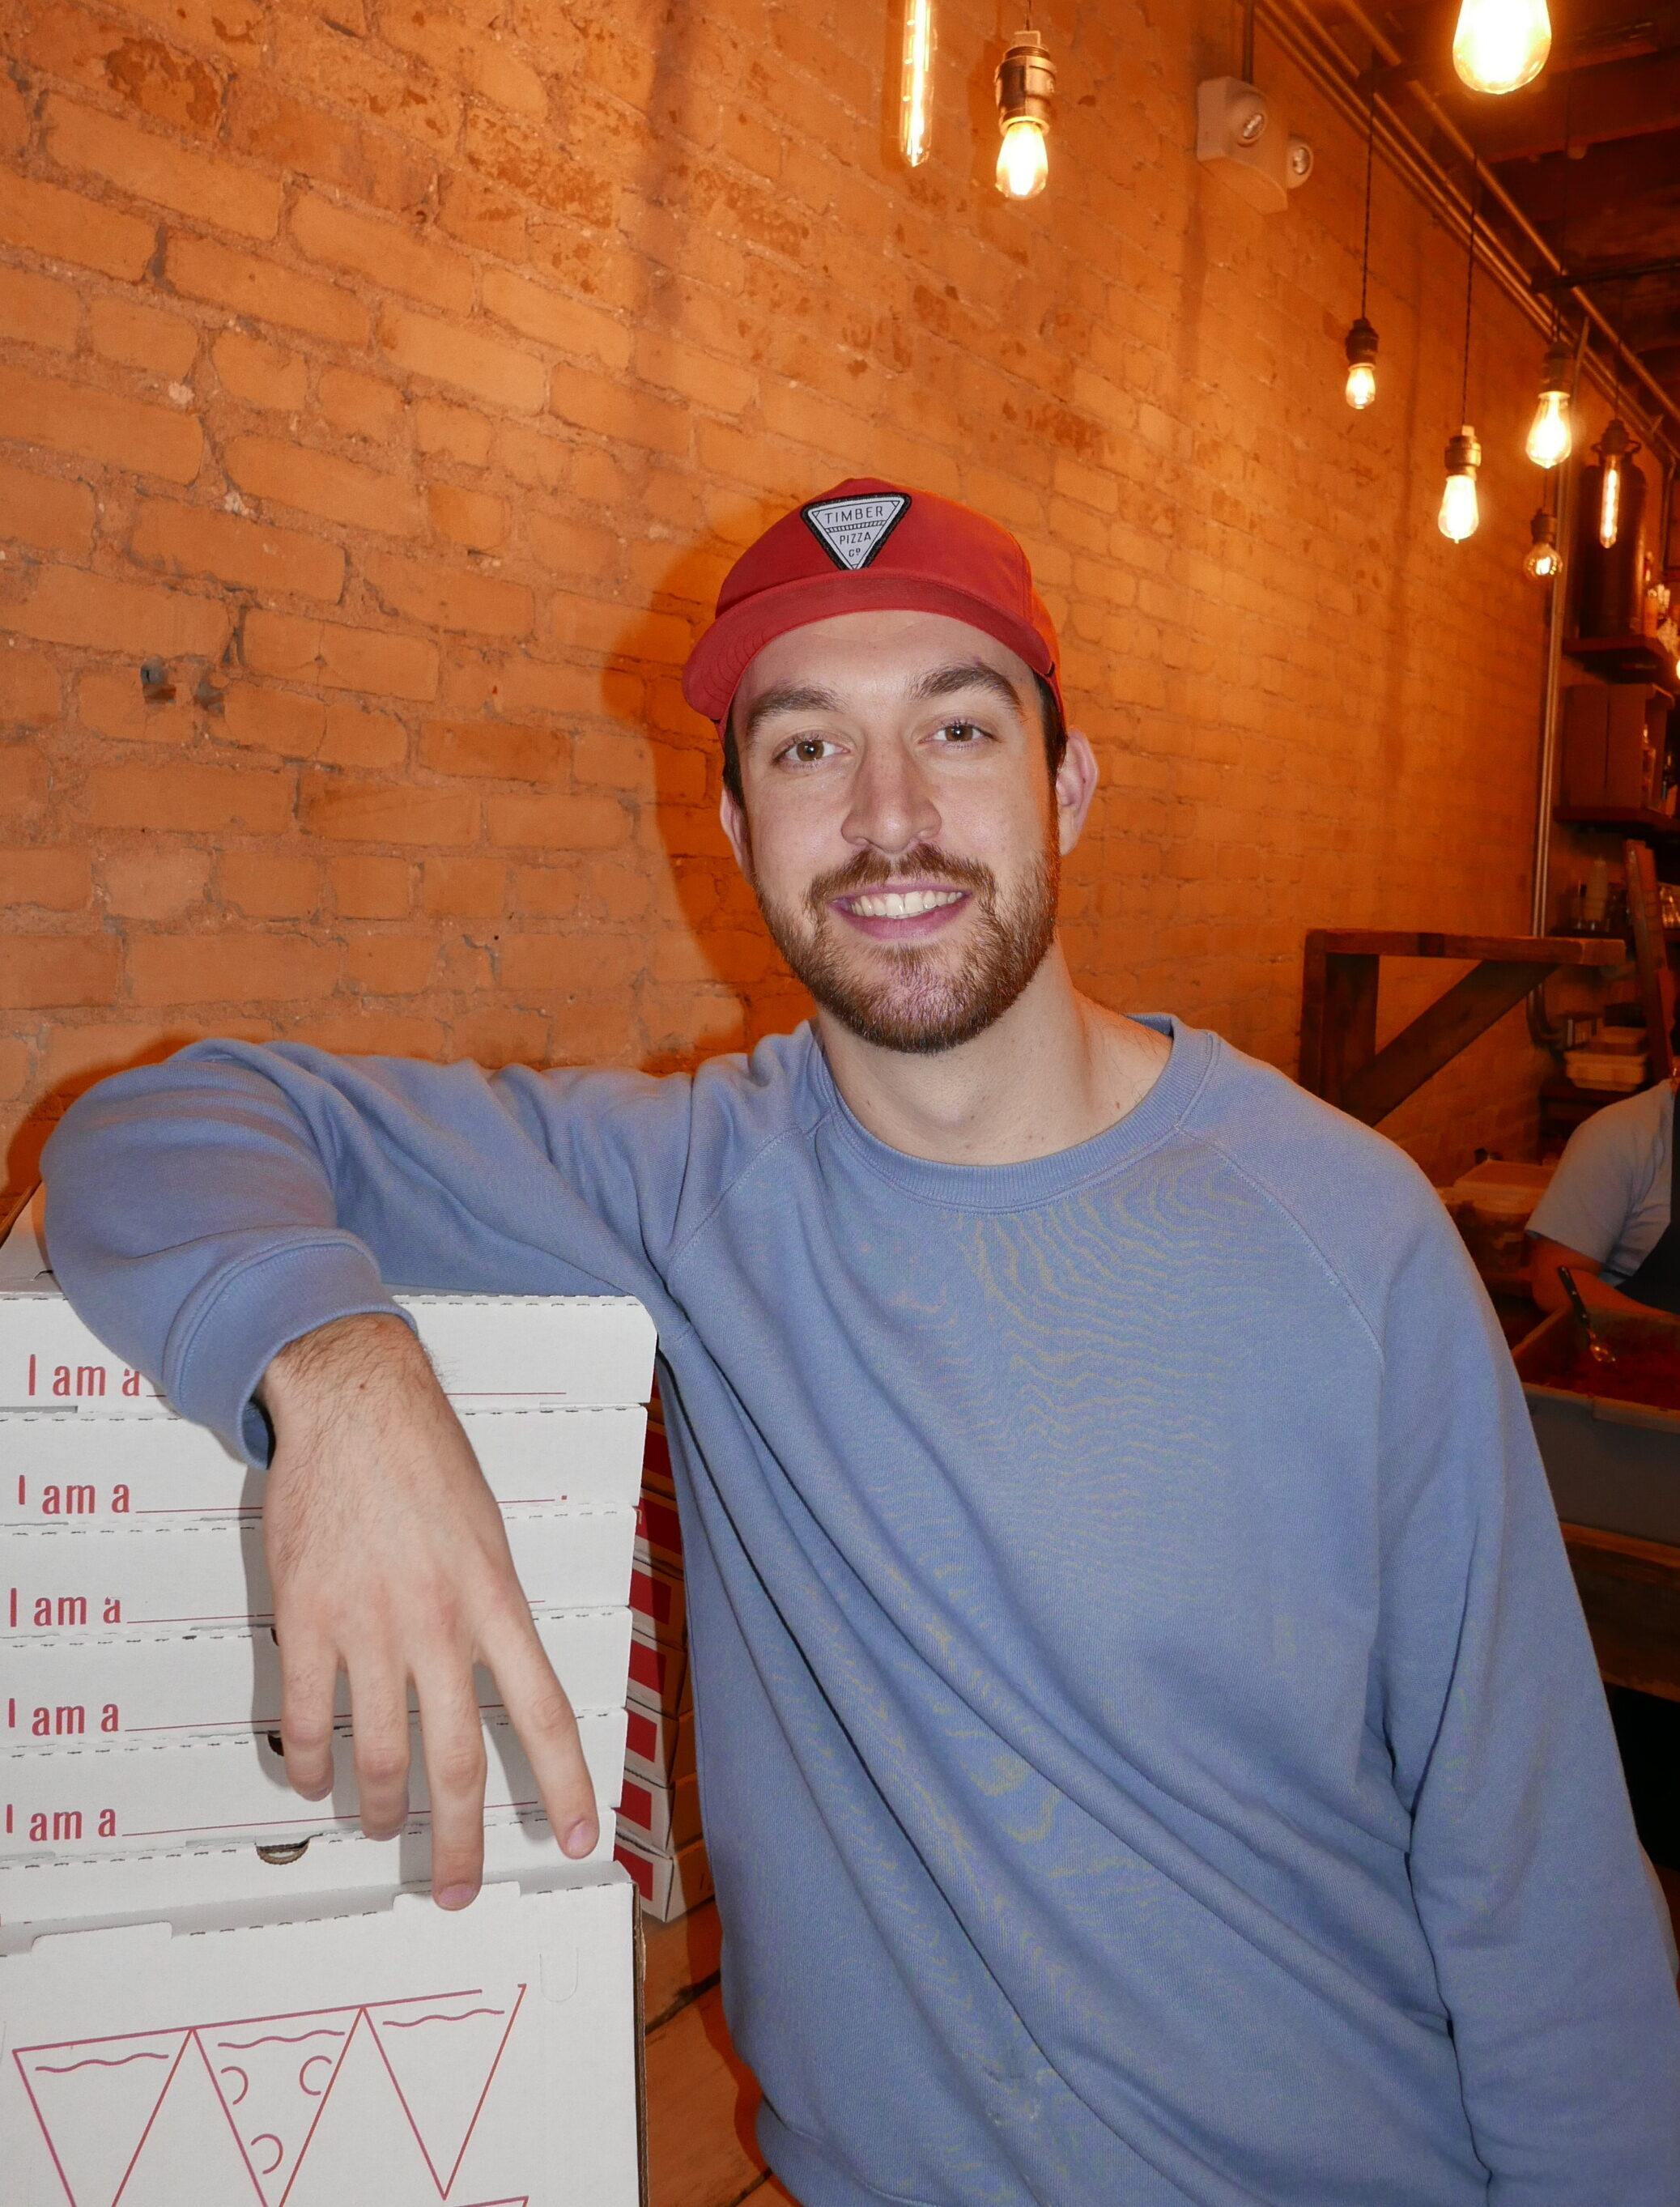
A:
x: 578, y: 1839
x: 458, y: 1896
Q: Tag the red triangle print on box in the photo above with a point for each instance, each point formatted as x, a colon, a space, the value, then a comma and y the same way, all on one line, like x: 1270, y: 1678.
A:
x: 442, y: 2055
x: 272, y: 2077
x: 95, y: 2102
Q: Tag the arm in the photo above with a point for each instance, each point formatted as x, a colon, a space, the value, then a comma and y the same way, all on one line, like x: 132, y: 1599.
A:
x: 1548, y: 1290
x: 1524, y: 1864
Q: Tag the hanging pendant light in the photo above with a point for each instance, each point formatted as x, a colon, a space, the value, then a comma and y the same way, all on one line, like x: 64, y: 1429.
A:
x: 1025, y: 81
x: 1461, y: 507
x: 1550, y: 434
x: 1360, y: 342
x: 1544, y: 558
x: 916, y: 103
x: 1500, y: 46
x: 1615, y: 449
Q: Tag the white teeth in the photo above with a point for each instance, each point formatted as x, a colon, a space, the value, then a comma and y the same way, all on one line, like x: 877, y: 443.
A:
x: 893, y: 903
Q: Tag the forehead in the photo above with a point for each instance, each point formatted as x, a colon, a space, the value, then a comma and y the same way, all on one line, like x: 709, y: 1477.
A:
x: 869, y: 661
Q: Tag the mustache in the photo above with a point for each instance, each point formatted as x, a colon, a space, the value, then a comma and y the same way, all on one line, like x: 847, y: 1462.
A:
x: 926, y: 862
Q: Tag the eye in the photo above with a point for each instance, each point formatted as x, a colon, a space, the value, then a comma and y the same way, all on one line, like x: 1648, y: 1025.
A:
x: 806, y: 751
x: 963, y: 734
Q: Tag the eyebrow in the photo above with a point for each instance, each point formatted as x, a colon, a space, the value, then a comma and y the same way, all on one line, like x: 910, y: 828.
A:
x: 938, y: 682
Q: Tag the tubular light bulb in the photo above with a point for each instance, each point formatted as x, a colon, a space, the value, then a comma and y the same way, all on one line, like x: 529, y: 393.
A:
x: 1361, y: 385
x: 1461, y: 510
x: 1609, y: 501
x: 1500, y: 46
x: 916, y: 117
x: 1022, y: 159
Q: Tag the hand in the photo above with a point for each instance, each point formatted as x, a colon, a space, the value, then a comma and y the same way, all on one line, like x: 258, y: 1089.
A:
x: 389, y: 1558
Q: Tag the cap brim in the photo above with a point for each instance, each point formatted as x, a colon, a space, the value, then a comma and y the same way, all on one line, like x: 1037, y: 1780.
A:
x: 728, y: 647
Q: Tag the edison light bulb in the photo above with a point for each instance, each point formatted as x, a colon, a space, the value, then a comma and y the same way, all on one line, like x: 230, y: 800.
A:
x: 1544, y: 558
x: 1610, y: 500
x: 1460, y: 509
x: 1550, y: 436
x: 1501, y: 44
x: 915, y: 117
x: 1361, y: 385
x: 1022, y: 159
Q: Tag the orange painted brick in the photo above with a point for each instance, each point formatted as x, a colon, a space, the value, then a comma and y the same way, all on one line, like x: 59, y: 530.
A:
x: 481, y: 215
x: 578, y: 551
x: 365, y: 405
x: 45, y: 510
x: 458, y: 431
x: 471, y: 518
x: 390, y: 965
x: 384, y: 813
x: 148, y: 166
x: 256, y: 284
x: 389, y: 253
x: 704, y: 378
x: 262, y: 374
x: 446, y: 352
x: 29, y: 681
x: 59, y: 879
x: 539, y: 311
x: 624, y: 632
x: 274, y: 125
x: 62, y: 225
x: 73, y: 46
x: 616, y: 889
x: 450, y: 597
x: 198, y: 540
x: 143, y: 337
x: 354, y: 737
x: 614, y: 409
x: 352, y: 74
x: 320, y: 483
x: 548, y: 891
x: 498, y: 748
x: 557, y: 823
x: 22, y: 779
x: 595, y: 961
x: 15, y: 1058
x: 102, y: 614
x: 269, y: 885
x: 113, y: 704
x: 38, y: 310
x: 368, y: 1034
x: 533, y: 165
x: 281, y: 721
x: 159, y: 880
x: 371, y: 888
x: 501, y: 1037
x: 547, y: 686
x: 14, y: 118
x: 465, y: 889
x: 344, y: 658
x: 40, y: 971
x: 193, y: 800
x: 234, y: 966
x: 98, y: 425
x: 232, y: 27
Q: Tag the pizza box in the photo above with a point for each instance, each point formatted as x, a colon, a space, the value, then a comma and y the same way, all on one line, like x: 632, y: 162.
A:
x: 104, y: 1800
x: 213, y: 1571
x: 91, y: 1468
x: 663, y: 1818
x: 656, y: 1599
x: 658, y: 1676
x: 658, y: 1535
x: 491, y: 1351
x: 389, y: 2054
x: 658, y: 1746
x: 670, y: 1885
x: 56, y: 1693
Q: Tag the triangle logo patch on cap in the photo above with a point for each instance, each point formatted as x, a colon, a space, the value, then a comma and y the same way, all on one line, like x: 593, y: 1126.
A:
x: 852, y: 530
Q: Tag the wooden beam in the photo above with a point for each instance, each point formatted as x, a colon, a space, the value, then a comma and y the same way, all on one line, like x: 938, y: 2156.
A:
x: 1548, y: 950
x: 1436, y: 1037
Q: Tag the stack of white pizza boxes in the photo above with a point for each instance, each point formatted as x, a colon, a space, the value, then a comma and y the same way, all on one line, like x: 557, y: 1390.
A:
x: 659, y: 1841
x: 210, y: 1989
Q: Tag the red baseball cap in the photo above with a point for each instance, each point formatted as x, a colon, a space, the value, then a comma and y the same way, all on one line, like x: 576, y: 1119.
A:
x: 862, y: 545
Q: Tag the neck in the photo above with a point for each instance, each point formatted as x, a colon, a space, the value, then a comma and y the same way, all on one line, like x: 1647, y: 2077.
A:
x: 1055, y: 1071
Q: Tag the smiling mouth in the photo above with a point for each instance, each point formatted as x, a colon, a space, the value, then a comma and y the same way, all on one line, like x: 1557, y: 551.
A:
x: 899, y: 904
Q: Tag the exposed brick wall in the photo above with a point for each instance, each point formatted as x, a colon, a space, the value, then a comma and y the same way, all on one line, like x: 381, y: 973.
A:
x: 404, y: 377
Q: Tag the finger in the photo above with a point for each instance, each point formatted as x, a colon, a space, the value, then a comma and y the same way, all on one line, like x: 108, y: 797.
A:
x: 379, y: 1724
x: 540, y: 1712
x: 453, y: 1741
x: 308, y: 1682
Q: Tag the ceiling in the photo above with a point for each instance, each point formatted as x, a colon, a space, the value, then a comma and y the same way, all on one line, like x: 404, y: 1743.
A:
x: 1590, y: 151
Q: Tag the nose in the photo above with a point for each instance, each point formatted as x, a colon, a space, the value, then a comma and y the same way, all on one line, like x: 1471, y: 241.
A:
x: 892, y: 807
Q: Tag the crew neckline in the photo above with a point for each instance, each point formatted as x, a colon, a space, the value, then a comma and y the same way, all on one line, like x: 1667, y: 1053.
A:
x: 1033, y: 1179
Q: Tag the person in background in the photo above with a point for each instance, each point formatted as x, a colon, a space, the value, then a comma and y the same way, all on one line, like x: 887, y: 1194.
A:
x: 1151, y: 1751
x: 1609, y: 1217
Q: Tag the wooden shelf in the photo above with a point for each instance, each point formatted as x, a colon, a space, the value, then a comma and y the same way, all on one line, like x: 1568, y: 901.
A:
x: 1661, y: 825
x: 1507, y: 949
x: 1623, y: 659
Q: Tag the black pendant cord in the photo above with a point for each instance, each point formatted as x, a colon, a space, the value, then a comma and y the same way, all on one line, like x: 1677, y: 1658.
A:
x: 1469, y: 290
x: 1370, y: 149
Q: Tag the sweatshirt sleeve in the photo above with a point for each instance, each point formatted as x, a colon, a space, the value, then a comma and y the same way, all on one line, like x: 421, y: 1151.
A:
x: 202, y: 1213
x: 1524, y: 1864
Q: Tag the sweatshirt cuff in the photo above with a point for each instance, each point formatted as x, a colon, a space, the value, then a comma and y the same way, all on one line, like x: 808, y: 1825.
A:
x: 220, y: 1348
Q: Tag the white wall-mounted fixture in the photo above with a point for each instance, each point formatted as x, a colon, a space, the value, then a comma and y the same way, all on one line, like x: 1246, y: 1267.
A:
x: 1238, y: 134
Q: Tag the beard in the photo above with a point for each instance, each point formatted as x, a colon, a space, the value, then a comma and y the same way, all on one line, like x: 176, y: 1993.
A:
x: 916, y: 1000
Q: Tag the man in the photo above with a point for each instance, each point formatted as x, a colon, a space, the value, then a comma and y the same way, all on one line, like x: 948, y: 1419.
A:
x: 1150, y: 1749
x: 1608, y: 1216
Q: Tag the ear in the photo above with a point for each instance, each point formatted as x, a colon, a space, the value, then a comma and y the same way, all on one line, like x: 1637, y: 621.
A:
x: 1076, y: 781
x: 734, y: 822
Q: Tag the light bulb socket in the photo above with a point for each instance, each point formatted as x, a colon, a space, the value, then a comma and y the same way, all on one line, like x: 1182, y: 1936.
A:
x: 1558, y: 369
x: 1543, y: 529
x: 1025, y: 82
x: 1616, y: 444
x: 1463, y: 453
x: 1361, y: 345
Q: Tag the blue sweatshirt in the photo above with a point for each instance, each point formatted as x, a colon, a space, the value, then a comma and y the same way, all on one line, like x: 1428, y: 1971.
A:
x: 1149, y: 1746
